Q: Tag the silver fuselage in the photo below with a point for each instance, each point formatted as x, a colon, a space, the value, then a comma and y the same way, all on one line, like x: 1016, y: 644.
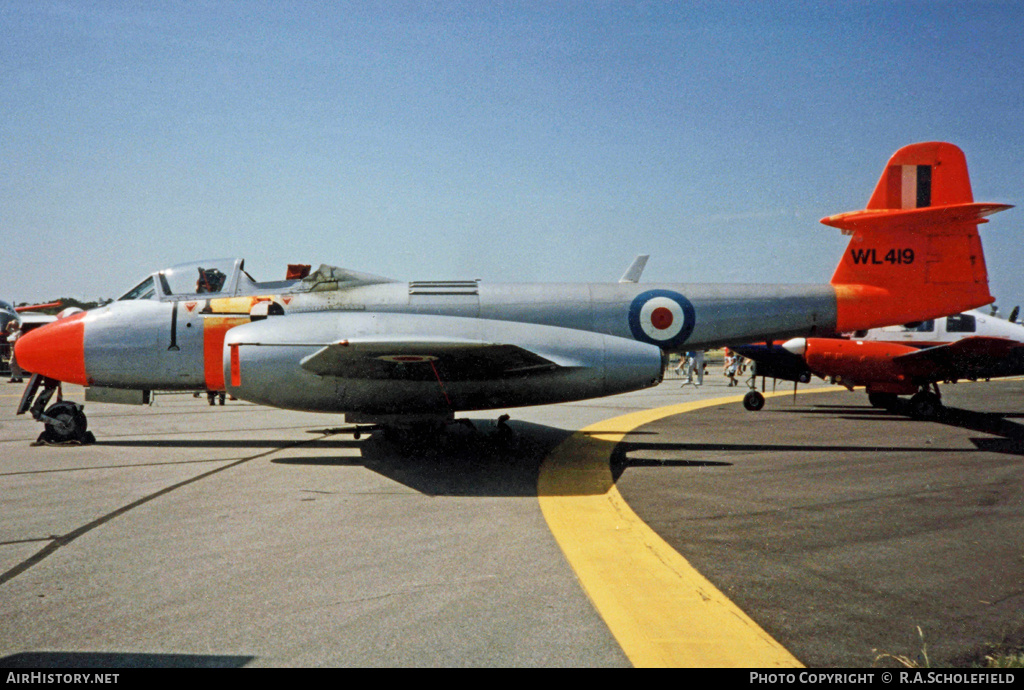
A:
x: 590, y: 330
x: 132, y: 344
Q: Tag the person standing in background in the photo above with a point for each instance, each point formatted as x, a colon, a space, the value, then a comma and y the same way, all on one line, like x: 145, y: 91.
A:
x: 13, y: 333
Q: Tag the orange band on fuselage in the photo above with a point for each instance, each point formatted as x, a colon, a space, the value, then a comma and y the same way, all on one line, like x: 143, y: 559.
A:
x: 215, y: 329
x: 236, y: 367
x: 860, y: 307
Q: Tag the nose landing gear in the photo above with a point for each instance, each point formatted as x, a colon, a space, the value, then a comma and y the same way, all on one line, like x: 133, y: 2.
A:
x: 63, y: 422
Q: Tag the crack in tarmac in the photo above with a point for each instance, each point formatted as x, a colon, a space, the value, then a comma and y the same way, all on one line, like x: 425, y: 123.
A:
x: 63, y: 540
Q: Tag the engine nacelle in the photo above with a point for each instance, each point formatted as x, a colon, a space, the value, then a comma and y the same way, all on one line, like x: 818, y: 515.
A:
x: 263, y: 363
x: 859, y: 362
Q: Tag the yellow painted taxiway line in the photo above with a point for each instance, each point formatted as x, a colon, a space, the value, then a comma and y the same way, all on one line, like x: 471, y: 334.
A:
x: 662, y: 612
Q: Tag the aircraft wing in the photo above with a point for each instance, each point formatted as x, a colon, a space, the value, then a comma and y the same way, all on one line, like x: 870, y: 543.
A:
x: 448, y: 359
x: 31, y: 307
x: 775, y: 362
x: 34, y: 320
x: 975, y: 356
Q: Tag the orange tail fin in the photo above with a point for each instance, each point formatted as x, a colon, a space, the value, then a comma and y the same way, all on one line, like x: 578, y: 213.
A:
x: 915, y: 252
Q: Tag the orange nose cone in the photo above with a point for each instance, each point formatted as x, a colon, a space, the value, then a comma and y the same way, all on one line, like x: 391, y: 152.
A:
x: 57, y: 350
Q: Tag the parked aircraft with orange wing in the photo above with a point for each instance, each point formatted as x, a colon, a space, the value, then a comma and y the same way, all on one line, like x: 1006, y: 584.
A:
x: 27, y: 315
x: 27, y: 318
x: 911, y: 359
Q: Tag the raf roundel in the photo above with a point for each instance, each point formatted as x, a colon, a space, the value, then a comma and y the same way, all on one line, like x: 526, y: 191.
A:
x: 661, y: 317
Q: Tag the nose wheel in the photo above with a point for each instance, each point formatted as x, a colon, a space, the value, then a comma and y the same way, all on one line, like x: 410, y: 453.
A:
x: 63, y: 422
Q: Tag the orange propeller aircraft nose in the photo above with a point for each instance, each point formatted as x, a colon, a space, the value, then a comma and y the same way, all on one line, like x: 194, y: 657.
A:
x: 56, y: 351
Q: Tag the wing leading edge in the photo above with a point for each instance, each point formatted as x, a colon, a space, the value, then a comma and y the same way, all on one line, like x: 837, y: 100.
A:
x: 965, y: 356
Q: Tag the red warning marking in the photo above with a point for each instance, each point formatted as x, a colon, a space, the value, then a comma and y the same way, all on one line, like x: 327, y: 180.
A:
x: 661, y: 318
x: 191, y: 306
x: 236, y: 366
x: 286, y: 300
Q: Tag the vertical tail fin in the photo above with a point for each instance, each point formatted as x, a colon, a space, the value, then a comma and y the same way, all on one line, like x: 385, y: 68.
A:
x: 914, y: 252
x: 923, y: 175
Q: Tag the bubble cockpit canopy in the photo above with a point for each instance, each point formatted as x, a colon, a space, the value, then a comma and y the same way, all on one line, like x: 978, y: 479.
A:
x: 215, y: 277
x: 227, y: 278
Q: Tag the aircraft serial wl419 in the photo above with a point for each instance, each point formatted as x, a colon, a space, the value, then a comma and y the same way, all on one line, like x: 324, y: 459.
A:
x: 899, y: 360
x: 397, y: 354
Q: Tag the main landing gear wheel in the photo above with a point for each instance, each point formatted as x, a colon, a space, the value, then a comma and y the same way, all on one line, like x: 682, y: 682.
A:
x: 67, y: 424
x: 753, y: 401
x: 925, y: 405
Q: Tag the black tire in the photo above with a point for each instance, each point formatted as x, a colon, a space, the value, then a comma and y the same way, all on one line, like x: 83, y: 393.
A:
x: 753, y: 401
x: 886, y: 401
x: 925, y: 406
x: 73, y: 424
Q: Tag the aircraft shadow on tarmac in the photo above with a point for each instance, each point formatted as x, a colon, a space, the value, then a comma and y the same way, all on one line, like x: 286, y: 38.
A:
x: 70, y: 660
x: 633, y: 454
x: 460, y: 462
x: 476, y: 464
x: 1011, y: 434
x: 480, y: 462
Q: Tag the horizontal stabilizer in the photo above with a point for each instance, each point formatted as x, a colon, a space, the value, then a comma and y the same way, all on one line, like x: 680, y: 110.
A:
x: 914, y: 219
x: 449, y: 359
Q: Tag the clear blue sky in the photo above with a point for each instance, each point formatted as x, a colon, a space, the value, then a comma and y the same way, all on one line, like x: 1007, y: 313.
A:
x: 508, y: 141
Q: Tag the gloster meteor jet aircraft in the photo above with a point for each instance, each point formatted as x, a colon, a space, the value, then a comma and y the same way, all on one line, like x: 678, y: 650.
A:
x: 402, y: 354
